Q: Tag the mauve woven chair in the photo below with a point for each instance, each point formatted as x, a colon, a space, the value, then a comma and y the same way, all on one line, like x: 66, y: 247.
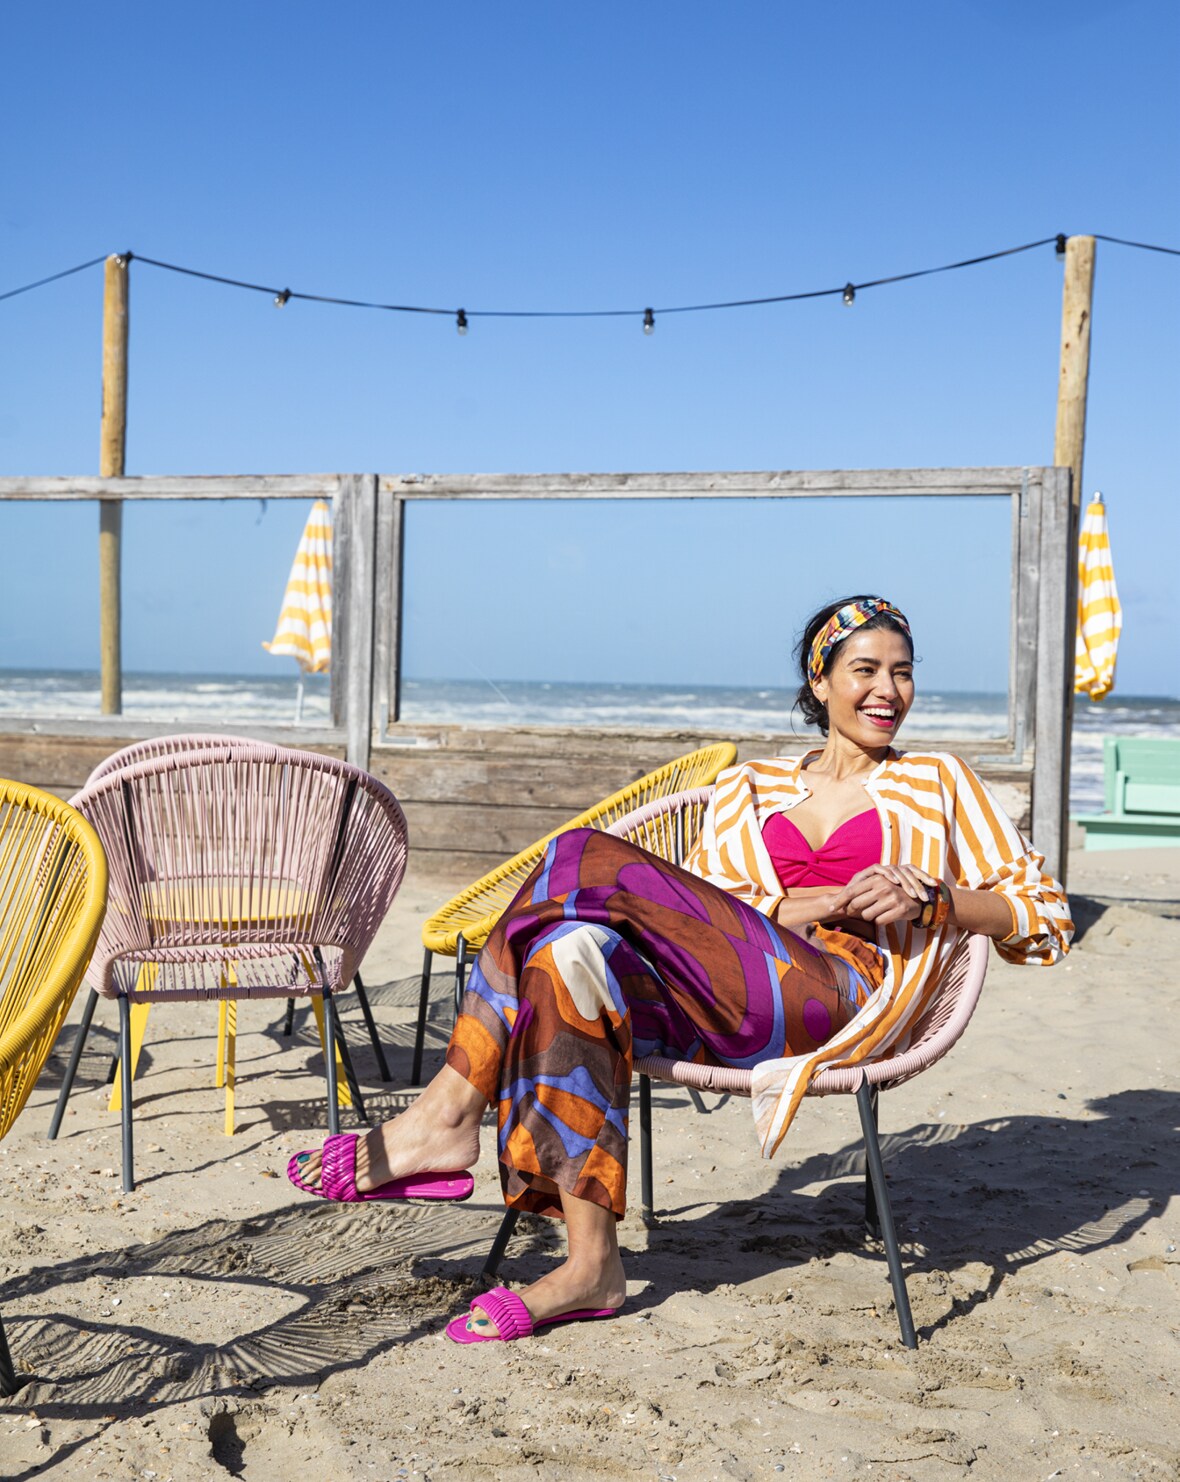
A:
x: 158, y: 746
x: 668, y: 828
x: 190, y: 741
x: 239, y: 872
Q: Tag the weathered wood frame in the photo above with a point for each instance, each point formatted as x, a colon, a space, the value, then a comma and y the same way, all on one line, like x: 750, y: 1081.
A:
x: 369, y: 535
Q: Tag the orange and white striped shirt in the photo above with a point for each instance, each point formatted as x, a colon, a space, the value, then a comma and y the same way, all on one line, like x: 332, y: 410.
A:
x: 937, y: 814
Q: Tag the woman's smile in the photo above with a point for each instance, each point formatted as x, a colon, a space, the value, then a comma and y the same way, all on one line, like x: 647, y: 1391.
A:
x: 884, y: 716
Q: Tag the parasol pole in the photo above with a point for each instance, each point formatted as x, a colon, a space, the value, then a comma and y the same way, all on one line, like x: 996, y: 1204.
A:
x: 1069, y: 447
x: 111, y: 462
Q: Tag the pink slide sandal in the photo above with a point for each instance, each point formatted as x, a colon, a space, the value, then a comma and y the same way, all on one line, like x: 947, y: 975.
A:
x: 512, y: 1317
x: 338, y: 1178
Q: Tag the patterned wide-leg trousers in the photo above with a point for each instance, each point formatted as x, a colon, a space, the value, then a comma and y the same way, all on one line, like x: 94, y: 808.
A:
x: 607, y: 953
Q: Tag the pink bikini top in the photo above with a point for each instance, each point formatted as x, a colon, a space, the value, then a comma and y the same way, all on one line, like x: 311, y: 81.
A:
x: 854, y: 845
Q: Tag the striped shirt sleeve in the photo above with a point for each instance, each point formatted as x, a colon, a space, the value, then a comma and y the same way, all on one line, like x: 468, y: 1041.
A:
x: 992, y: 854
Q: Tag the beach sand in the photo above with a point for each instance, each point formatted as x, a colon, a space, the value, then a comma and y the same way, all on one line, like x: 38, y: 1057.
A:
x: 215, y: 1323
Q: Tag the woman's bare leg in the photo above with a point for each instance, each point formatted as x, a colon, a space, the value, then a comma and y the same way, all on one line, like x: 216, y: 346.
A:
x: 591, y: 1276
x: 438, y: 1133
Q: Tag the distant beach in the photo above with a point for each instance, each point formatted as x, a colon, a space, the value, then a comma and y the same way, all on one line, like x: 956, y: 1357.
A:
x: 207, y: 701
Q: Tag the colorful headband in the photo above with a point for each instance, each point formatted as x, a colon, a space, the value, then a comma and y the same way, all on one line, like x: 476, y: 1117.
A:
x: 842, y: 625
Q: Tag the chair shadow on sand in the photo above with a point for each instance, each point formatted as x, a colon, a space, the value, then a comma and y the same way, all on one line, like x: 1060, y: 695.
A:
x: 1002, y: 1193
x: 356, y: 1282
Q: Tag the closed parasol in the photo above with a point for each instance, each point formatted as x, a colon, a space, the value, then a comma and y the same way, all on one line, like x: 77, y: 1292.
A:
x: 1100, y: 617
x: 304, y: 630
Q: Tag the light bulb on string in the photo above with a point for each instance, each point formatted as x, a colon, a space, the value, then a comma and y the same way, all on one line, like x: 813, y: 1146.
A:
x: 1059, y: 245
x: 281, y: 298
x: 649, y: 322
x: 849, y: 295
x: 461, y: 321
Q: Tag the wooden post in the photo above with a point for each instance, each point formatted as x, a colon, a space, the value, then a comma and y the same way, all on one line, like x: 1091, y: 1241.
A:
x: 1077, y: 308
x: 1056, y: 557
x: 111, y: 463
x: 1069, y: 447
x: 354, y: 576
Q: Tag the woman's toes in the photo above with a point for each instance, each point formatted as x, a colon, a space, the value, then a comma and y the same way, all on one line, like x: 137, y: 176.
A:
x: 479, y: 1322
x: 309, y: 1168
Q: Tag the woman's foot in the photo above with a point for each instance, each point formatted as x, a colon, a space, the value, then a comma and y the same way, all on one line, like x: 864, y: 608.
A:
x: 559, y: 1292
x: 591, y: 1277
x: 439, y: 1133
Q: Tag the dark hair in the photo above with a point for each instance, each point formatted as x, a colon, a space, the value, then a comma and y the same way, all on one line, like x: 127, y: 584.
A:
x: 815, y: 713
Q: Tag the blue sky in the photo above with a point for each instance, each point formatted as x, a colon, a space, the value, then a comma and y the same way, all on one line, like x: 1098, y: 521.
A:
x: 552, y: 156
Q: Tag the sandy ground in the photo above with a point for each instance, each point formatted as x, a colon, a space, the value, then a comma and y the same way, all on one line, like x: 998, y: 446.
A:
x: 215, y: 1323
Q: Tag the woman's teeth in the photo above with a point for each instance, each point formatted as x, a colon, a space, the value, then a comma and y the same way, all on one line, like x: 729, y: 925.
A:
x: 880, y: 717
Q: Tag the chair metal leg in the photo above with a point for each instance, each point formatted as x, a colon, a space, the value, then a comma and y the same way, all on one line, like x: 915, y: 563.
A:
x: 872, y: 1224
x: 645, y: 1170
x: 363, y: 999
x: 67, y: 1084
x: 420, y: 1029
x: 113, y: 1069
x: 500, y: 1244
x: 698, y: 1101
x: 346, y: 1061
x: 289, y: 1021
x: 460, y: 973
x: 330, y: 1064
x: 8, y: 1380
x: 125, y: 1065
x: 885, y: 1216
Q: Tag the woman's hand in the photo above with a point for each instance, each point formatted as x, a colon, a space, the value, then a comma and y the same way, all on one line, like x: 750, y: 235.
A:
x: 884, y: 894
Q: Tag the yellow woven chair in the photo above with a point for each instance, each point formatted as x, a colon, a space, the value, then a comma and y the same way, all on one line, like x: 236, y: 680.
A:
x: 53, y: 891
x: 466, y: 921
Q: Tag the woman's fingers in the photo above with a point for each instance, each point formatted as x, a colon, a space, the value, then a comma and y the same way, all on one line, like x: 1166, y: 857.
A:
x: 914, y: 883
x: 882, y: 901
x: 903, y: 876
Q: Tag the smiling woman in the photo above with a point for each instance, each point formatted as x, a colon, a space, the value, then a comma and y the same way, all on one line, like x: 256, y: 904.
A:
x: 819, y: 908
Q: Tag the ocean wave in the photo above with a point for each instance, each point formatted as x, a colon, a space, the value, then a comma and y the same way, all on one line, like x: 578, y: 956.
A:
x: 210, y: 700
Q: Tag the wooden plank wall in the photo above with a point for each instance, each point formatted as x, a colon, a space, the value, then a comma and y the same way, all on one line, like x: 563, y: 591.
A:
x: 474, y: 797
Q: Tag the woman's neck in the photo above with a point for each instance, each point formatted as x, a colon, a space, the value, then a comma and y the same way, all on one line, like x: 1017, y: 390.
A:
x: 842, y: 760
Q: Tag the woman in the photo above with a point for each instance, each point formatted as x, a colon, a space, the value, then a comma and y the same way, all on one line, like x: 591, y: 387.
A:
x: 822, y: 901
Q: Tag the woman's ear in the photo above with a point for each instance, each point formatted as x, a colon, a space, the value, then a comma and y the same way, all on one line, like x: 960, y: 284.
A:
x: 819, y: 688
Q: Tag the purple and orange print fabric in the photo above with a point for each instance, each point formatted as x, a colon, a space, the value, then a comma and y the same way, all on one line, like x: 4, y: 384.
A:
x: 608, y: 953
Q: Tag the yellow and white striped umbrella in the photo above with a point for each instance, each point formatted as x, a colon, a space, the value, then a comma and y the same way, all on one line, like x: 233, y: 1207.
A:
x: 304, y: 629
x: 1100, y: 617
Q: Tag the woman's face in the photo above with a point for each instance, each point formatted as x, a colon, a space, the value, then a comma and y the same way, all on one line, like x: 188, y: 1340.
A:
x: 870, y: 687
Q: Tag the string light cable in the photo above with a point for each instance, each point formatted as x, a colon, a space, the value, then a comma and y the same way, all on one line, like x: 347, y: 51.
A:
x: 846, y: 292
x: 53, y: 278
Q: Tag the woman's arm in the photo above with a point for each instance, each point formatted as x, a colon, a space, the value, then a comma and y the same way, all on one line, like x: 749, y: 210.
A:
x: 884, y: 893
x: 982, y: 911
x: 803, y: 905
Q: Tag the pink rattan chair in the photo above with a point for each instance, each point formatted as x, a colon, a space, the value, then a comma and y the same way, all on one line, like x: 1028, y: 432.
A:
x: 668, y: 828
x: 239, y: 872
x: 186, y: 743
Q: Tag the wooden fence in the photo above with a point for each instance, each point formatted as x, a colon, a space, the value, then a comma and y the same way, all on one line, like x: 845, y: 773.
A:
x: 481, y: 794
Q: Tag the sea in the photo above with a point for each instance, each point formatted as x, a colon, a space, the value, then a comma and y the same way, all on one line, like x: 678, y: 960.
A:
x: 211, y: 702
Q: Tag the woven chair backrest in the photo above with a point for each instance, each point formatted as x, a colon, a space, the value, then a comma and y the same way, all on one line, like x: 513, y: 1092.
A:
x: 220, y: 847
x: 474, y: 911
x: 667, y: 827
x: 157, y: 746
x: 53, y: 884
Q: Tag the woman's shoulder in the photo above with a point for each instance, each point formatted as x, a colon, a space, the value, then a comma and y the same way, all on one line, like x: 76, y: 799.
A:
x: 926, y: 761
x: 760, y: 775
x: 772, y: 768
x: 930, y: 771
